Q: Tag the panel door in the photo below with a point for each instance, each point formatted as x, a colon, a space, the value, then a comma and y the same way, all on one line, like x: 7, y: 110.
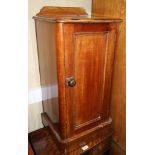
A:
x: 89, y: 55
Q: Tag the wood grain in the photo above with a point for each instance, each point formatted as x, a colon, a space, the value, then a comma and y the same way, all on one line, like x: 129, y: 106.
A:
x: 61, y: 80
x: 90, y: 137
x: 84, y: 49
x: 44, y: 143
x: 89, y: 62
x: 89, y: 55
x: 52, y: 11
x: 116, y: 9
x: 70, y: 15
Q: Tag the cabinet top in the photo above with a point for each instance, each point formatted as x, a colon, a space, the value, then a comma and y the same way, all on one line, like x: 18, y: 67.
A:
x: 69, y: 15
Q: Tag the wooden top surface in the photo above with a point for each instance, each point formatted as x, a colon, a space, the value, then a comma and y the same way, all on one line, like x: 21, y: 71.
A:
x: 51, y: 11
x: 69, y: 15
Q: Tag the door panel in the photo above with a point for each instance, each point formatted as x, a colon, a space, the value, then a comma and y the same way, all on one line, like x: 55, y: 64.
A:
x: 88, y: 59
x: 89, y: 63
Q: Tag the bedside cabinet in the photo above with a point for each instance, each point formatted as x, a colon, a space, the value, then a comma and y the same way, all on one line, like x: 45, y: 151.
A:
x: 76, y: 56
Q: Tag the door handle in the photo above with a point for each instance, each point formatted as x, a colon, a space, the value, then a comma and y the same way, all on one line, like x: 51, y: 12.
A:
x: 71, y: 81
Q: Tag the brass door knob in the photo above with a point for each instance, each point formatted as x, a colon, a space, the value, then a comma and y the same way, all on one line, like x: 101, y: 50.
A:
x: 71, y: 81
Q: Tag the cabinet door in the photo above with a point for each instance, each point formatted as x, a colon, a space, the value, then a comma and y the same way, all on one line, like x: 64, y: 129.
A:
x: 89, y: 54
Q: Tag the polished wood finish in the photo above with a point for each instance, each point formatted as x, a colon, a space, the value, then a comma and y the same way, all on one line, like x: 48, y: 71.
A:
x: 91, y: 66
x: 91, y: 137
x: 69, y: 15
x: 73, y: 19
x: 82, y: 49
x: 44, y: 143
x: 52, y: 11
x: 116, y: 9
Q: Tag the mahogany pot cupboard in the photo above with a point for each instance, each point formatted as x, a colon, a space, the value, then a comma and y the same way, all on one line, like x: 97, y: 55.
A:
x: 76, y: 56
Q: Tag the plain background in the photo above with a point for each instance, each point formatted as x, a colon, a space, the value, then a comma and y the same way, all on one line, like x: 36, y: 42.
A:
x: 140, y: 77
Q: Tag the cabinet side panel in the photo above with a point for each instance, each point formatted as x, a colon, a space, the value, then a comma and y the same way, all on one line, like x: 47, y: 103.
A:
x: 48, y: 69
